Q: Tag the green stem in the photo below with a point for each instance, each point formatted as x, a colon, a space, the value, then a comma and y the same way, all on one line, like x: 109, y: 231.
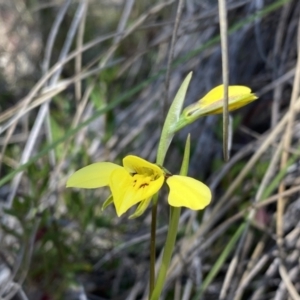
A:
x: 164, y: 143
x: 152, y: 246
x: 170, y: 242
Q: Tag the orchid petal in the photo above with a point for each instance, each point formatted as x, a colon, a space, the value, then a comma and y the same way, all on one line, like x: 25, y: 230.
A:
x: 92, y: 176
x: 188, y: 192
x: 126, y: 194
x: 238, y: 96
x: 134, y: 164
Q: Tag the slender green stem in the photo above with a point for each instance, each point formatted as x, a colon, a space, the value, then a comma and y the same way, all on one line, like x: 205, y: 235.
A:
x: 152, y: 248
x: 164, y: 143
x: 172, y: 231
x: 153, y: 244
x: 170, y: 242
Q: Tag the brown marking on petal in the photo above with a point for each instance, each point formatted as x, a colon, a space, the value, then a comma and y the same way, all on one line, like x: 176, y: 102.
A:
x: 143, y: 185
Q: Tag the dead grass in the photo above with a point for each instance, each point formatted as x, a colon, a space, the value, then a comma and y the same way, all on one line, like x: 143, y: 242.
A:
x: 96, y: 92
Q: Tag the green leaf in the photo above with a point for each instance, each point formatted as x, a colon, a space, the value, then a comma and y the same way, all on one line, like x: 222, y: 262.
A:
x: 171, y: 119
x: 57, y: 133
x: 141, y: 208
x: 107, y: 202
x: 98, y: 95
x: 186, y: 157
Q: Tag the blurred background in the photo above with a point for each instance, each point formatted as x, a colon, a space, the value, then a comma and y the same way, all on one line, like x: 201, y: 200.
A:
x: 83, y: 81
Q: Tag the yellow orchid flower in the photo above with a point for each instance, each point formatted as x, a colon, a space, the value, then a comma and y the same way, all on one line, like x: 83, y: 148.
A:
x: 137, y: 181
x: 212, y: 103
